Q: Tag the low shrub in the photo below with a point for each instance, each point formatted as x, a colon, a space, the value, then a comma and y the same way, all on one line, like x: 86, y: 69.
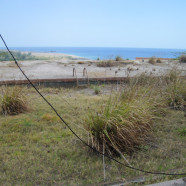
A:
x: 183, y: 58
x: 12, y: 100
x: 5, y: 56
x: 152, y: 60
x: 158, y: 60
x: 80, y: 62
x: 118, y: 58
x: 108, y: 63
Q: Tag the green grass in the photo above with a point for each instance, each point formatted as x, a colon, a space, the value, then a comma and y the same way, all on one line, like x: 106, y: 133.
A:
x: 37, y: 149
x: 96, y: 88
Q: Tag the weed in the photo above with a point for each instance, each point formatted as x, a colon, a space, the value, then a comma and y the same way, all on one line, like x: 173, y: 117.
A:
x: 13, y: 100
x: 97, y: 89
x: 182, y: 132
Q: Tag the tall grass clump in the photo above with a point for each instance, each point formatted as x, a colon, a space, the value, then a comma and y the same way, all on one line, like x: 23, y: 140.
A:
x: 125, y: 122
x: 12, y: 100
x: 175, y: 91
x: 122, y: 126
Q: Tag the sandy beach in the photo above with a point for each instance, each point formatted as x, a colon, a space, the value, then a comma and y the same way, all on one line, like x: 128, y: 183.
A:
x: 56, y: 65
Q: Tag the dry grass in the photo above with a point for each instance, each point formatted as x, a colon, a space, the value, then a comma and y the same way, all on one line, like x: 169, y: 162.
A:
x: 13, y: 101
x: 175, y: 92
x: 121, y: 127
x: 125, y: 123
x: 108, y: 63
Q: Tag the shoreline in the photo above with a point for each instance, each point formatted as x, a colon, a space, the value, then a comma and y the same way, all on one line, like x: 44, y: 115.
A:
x: 63, y: 66
x: 103, y: 53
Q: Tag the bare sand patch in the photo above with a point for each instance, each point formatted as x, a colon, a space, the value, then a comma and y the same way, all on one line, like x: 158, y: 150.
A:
x: 62, y: 66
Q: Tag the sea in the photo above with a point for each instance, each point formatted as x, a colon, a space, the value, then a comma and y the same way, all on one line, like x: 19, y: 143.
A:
x: 107, y: 52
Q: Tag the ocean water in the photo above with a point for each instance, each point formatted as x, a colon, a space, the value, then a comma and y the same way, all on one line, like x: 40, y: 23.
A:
x: 107, y: 52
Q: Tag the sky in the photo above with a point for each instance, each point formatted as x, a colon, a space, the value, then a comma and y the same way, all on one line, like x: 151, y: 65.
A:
x: 94, y: 23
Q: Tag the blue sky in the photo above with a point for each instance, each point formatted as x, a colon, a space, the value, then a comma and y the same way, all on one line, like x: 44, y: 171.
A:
x: 94, y: 23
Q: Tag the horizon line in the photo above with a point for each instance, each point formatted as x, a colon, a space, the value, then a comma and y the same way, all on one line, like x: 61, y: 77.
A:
x: 90, y: 47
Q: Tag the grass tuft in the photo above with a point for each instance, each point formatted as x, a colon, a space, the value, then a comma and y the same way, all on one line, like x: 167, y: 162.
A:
x: 13, y: 100
x: 175, y: 91
x: 123, y: 125
x: 125, y: 122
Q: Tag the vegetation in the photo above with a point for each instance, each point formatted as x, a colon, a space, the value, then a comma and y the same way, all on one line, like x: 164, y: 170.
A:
x: 158, y: 60
x: 80, y: 62
x: 118, y: 58
x: 13, y: 100
x: 120, y: 128
x: 108, y: 63
x: 125, y: 123
x: 5, y: 56
x: 152, y: 60
x: 183, y: 58
x: 97, y: 89
x: 37, y: 149
x: 175, y: 90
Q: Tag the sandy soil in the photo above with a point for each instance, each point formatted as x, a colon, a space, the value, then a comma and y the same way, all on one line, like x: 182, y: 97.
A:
x: 62, y: 65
